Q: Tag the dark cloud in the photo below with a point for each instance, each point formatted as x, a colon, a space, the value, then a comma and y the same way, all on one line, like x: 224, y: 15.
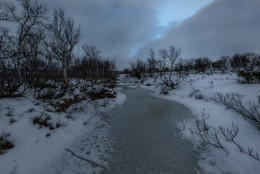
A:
x: 115, y: 26
x: 221, y: 28
x: 120, y: 27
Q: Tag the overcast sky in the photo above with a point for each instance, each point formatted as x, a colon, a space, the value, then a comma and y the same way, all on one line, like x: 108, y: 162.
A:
x: 123, y: 29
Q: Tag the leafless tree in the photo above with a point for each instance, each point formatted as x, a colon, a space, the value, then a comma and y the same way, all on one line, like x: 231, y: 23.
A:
x: 63, y: 38
x: 93, y: 66
x: 30, y: 15
x: 4, y: 43
x: 35, y: 57
x: 152, y: 63
x: 139, y: 68
x: 26, y: 16
x: 39, y: 55
x: 93, y: 56
x: 170, y: 80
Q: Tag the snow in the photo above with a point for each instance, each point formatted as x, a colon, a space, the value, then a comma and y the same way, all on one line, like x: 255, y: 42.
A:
x: 34, y: 152
x: 214, y: 160
x: 84, y: 129
x: 121, y: 98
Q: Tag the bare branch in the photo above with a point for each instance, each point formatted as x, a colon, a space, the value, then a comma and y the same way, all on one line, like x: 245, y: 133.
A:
x: 251, y: 113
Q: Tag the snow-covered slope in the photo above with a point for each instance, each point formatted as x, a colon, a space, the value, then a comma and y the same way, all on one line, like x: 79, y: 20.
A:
x: 37, y: 149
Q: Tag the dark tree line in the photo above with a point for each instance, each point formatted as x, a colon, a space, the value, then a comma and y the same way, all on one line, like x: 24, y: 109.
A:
x: 38, y: 52
x: 98, y: 68
x: 163, y: 62
x: 173, y: 70
x: 235, y: 63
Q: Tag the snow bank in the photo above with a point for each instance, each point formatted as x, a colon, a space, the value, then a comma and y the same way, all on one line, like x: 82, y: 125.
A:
x: 214, y: 160
x: 37, y: 150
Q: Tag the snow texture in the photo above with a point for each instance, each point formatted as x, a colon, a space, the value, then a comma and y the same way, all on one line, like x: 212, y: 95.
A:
x: 41, y: 150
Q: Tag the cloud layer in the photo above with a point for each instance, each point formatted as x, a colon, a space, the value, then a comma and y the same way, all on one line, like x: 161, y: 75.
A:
x: 120, y: 28
x: 223, y: 27
x: 115, y: 26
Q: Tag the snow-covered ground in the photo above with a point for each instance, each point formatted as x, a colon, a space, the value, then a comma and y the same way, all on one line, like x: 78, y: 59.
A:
x: 213, y: 160
x: 84, y: 130
x: 41, y: 150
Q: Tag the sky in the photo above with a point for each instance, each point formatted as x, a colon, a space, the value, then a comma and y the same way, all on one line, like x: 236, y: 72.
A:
x: 127, y: 29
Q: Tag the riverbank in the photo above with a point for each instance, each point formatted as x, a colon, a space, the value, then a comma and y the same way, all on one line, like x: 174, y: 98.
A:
x: 85, y: 131
x: 39, y: 149
x: 214, y: 160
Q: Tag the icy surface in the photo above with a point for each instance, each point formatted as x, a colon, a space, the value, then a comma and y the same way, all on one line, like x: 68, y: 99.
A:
x: 146, y: 138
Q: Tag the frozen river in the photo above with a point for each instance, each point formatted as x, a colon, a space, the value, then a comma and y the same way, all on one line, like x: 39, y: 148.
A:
x: 139, y: 137
x: 145, y: 137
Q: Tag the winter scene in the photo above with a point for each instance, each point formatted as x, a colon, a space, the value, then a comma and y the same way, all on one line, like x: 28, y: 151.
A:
x: 129, y: 87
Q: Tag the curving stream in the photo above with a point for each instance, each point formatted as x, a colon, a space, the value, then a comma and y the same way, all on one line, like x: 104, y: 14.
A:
x: 145, y: 138
x: 141, y: 137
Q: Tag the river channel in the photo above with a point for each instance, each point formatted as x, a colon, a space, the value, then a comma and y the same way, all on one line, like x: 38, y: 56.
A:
x: 146, y: 139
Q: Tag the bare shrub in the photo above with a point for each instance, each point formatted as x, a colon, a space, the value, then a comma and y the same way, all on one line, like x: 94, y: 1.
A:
x: 12, y: 121
x: 250, y: 153
x: 101, y: 93
x: 42, y: 120
x: 172, y: 82
x: 196, y: 93
x: 64, y: 104
x: 5, y: 144
x: 216, y: 136
x: 251, y: 112
x: 205, y: 132
x: 54, y: 90
x: 9, y: 84
x: 230, y: 133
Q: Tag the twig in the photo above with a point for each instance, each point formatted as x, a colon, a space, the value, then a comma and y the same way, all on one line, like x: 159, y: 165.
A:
x: 214, y: 137
x: 89, y: 161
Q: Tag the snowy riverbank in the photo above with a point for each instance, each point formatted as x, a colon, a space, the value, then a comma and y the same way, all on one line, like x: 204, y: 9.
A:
x: 83, y: 129
x: 38, y: 150
x: 213, y: 160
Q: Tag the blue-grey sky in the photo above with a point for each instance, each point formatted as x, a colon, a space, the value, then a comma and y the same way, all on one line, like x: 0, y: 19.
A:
x: 223, y: 27
x: 127, y: 29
